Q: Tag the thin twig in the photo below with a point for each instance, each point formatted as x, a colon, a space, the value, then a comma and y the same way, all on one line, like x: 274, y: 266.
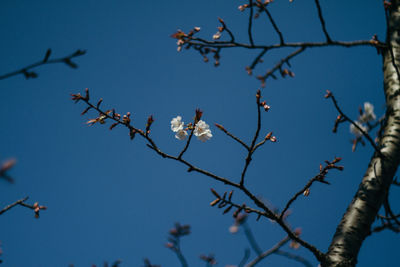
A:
x: 321, y: 18
x: 250, y: 23
x: 365, y: 134
x: 279, y: 65
x: 245, y: 257
x: 251, y: 239
x: 389, y: 210
x: 16, y: 203
x: 273, y: 23
x: 294, y: 257
x: 29, y: 74
x: 187, y: 142
x: 180, y: 256
x: 257, y: 59
x: 232, y: 136
x: 253, y: 142
x: 270, y: 251
x: 317, y: 178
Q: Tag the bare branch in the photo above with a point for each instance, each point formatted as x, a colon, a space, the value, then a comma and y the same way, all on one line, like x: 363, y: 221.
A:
x: 245, y: 257
x: 279, y: 65
x: 272, y: 22
x: 250, y: 23
x: 35, y: 207
x: 16, y: 203
x: 219, y: 126
x: 251, y: 239
x: 321, y: 18
x: 31, y: 74
x: 365, y: 134
x: 294, y: 257
x: 320, y: 177
x: 272, y: 250
x: 268, y: 213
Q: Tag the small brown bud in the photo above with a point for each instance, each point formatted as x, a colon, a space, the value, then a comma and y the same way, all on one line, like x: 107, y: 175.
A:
x: 215, y: 202
x: 199, y: 113
x: 113, y: 125
x: 219, y: 126
x: 227, y: 209
x: 258, y: 95
x: 99, y: 103
x: 249, y: 70
x: 328, y: 94
x: 306, y: 192
x: 87, y: 97
x: 215, y: 193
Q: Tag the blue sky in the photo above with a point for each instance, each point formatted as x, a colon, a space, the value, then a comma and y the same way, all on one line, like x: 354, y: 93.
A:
x: 111, y: 198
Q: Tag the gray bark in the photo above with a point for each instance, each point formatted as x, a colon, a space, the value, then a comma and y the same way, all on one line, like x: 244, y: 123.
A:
x: 356, y: 223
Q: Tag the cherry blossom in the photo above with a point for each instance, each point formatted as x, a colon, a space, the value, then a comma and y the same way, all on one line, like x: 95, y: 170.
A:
x: 202, y: 131
x: 368, y: 114
x: 354, y: 130
x: 177, y: 126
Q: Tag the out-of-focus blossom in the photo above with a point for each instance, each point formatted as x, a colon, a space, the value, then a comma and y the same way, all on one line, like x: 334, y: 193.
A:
x: 202, y: 131
x: 217, y: 35
x: 354, y: 130
x: 239, y: 220
x: 181, y: 134
x: 368, y: 114
x: 234, y: 229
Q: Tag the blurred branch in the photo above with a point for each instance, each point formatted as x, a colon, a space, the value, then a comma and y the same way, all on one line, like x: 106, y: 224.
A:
x: 294, y: 257
x: 26, y: 71
x: 251, y: 239
x: 246, y: 256
x: 174, y: 239
x: 5, y: 167
x: 268, y: 252
x: 147, y: 263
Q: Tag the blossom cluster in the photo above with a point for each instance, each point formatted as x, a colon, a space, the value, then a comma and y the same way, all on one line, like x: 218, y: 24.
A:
x: 201, y: 130
x: 367, y: 116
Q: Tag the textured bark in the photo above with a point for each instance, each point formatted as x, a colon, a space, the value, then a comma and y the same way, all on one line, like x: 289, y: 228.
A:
x: 356, y: 223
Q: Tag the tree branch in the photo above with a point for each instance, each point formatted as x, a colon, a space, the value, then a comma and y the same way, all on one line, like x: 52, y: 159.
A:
x: 31, y: 74
x: 321, y: 18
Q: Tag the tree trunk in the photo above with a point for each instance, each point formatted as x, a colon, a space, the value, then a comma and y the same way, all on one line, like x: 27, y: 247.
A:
x: 356, y: 223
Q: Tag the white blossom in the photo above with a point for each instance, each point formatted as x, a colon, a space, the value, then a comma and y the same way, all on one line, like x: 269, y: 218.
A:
x: 354, y: 130
x: 177, y: 127
x: 368, y: 114
x: 217, y: 35
x: 181, y: 134
x: 202, y: 131
x: 177, y: 124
